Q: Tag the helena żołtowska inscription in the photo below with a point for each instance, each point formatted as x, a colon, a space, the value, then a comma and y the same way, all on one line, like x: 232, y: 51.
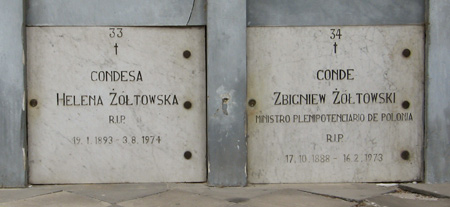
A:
x: 116, y: 104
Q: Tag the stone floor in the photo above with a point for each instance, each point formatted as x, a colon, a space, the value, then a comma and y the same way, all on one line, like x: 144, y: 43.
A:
x: 279, y: 195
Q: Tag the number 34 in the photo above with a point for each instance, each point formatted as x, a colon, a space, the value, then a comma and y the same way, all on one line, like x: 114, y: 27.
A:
x: 335, y: 33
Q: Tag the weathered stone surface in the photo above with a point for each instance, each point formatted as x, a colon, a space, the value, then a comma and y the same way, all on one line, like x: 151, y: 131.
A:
x: 7, y: 195
x: 437, y: 190
x: 335, y: 104
x: 234, y: 194
x: 351, y: 192
x: 393, y: 201
x: 175, y: 198
x: 181, y: 194
x: 112, y: 105
x: 288, y: 198
x: 55, y: 200
x: 115, y: 193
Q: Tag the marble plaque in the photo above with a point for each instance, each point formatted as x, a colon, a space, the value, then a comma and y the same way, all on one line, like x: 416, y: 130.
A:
x: 116, y: 104
x: 335, y: 104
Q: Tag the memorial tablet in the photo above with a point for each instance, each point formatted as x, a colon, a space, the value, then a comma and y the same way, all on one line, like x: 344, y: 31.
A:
x: 335, y: 104
x: 116, y: 104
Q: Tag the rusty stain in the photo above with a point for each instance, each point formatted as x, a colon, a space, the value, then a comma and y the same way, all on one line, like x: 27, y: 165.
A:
x: 33, y: 103
x: 252, y: 102
x: 225, y: 106
x: 405, y: 155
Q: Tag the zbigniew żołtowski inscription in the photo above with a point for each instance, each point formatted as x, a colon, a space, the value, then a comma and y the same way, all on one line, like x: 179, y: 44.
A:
x: 116, y: 104
x: 335, y: 104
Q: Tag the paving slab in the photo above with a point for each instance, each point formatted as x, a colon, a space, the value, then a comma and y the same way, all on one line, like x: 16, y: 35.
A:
x: 350, y: 192
x: 347, y: 191
x: 406, y: 201
x: 7, y: 195
x: 231, y: 194
x: 176, y: 198
x: 189, y: 187
x: 412, y: 196
x: 115, y: 205
x: 291, y: 198
x: 436, y: 190
x: 277, y: 186
x: 115, y: 193
x: 65, y: 199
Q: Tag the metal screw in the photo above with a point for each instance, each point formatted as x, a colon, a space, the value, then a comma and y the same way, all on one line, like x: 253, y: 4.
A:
x: 33, y: 103
x: 405, y: 155
x: 187, y: 105
x: 187, y: 155
x: 406, y: 104
x: 187, y: 54
x: 406, y: 53
x: 252, y: 102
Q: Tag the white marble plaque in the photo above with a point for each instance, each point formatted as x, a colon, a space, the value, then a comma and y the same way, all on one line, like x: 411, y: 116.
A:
x: 116, y: 104
x: 335, y: 104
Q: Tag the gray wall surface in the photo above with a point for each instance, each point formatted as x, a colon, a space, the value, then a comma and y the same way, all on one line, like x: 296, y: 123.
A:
x: 437, y: 126
x: 12, y: 96
x: 226, y: 64
x: 116, y: 13
x: 226, y: 93
x: 334, y: 12
x: 193, y: 12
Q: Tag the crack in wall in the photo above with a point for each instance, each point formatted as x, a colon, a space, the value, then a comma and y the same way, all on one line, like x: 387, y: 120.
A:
x: 190, y: 15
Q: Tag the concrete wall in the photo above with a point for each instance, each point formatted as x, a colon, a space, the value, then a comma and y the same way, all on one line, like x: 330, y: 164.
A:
x: 12, y: 95
x: 226, y: 92
x: 116, y: 12
x: 437, y: 125
x: 259, y: 13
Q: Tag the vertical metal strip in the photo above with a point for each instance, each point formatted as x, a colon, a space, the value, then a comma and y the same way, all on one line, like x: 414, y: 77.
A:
x: 226, y: 93
x: 12, y: 95
x: 437, y: 123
